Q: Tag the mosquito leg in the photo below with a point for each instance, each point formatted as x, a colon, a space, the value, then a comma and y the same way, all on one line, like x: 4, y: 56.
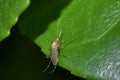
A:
x: 47, y: 66
x: 64, y: 55
x: 53, y: 69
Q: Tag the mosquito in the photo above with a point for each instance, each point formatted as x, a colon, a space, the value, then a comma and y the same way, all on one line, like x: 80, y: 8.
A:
x: 55, y: 51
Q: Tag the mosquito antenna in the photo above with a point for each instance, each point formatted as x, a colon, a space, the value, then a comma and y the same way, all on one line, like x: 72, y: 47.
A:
x: 60, y: 34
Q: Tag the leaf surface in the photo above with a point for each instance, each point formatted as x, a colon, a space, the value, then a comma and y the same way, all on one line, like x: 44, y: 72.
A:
x: 90, y: 41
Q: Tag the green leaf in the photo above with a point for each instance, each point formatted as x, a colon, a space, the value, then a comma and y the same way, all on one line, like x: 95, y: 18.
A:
x: 9, y: 12
x: 90, y: 41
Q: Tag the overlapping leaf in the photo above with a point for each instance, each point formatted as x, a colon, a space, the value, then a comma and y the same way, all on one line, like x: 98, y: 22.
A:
x: 9, y: 12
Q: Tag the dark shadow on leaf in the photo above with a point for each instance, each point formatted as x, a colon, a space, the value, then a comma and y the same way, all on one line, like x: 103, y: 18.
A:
x: 35, y: 20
